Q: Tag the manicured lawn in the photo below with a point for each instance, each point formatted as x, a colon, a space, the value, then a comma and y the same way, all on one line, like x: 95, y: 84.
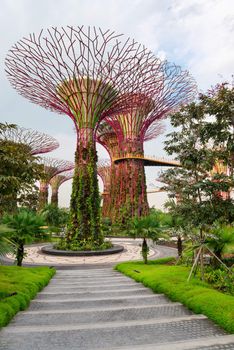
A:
x: 18, y: 285
x: 196, y: 295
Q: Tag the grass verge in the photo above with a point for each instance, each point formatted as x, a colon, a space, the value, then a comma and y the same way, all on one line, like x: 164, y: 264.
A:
x: 198, y: 296
x: 18, y: 285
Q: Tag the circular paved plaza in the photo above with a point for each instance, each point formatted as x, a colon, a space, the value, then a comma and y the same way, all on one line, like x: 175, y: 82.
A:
x: 132, y: 251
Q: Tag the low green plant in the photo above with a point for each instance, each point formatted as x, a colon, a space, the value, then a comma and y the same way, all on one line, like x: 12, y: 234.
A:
x: 18, y: 285
x: 83, y: 245
x: 198, y: 296
x: 221, y: 279
x: 220, y: 240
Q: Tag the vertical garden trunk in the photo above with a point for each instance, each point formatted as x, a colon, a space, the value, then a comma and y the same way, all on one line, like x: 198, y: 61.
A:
x: 85, y: 200
x: 129, y: 198
x: 106, y: 205
x: 54, y: 197
x: 43, y: 195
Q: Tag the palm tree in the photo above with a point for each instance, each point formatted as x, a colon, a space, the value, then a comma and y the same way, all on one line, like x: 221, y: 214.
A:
x: 220, y: 240
x: 147, y: 227
x: 6, y: 245
x: 25, y: 225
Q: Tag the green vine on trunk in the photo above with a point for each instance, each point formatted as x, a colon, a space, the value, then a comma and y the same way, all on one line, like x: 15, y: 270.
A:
x: 85, y: 199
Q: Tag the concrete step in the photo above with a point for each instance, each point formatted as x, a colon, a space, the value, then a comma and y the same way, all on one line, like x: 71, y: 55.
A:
x: 115, y: 287
x: 84, y: 303
x: 90, y: 281
x: 215, y: 343
x: 92, y: 294
x: 87, y: 274
x: 86, y: 278
x: 93, y: 285
x: 108, y: 335
x: 102, y: 315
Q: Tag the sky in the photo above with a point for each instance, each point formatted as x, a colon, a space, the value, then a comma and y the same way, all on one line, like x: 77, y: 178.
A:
x: 198, y: 35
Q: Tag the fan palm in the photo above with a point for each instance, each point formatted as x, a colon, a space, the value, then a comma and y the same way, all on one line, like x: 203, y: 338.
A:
x: 221, y: 240
x: 147, y: 227
x: 6, y: 245
x: 25, y: 225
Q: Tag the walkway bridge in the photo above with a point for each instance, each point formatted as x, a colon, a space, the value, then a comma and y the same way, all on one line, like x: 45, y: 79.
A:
x: 150, y: 160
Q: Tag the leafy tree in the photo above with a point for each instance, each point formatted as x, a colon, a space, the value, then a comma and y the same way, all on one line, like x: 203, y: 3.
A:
x: 54, y: 216
x: 26, y: 226
x: 203, y: 142
x: 146, y: 227
x: 18, y: 173
x: 218, y: 102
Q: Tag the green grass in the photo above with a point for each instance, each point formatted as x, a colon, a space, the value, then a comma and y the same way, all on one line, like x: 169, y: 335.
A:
x: 18, y: 285
x: 198, y: 296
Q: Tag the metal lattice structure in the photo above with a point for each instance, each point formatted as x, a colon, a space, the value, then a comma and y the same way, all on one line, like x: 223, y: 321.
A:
x: 87, y: 74
x: 104, y: 171
x: 37, y: 142
x: 52, y: 167
x: 175, y: 88
x: 82, y: 72
x: 56, y: 182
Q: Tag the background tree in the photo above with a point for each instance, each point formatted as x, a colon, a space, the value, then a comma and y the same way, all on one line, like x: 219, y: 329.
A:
x: 54, y: 216
x: 18, y: 173
x: 199, y: 146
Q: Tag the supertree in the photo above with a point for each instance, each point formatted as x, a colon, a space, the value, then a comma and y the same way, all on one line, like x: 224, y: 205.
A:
x: 87, y: 74
x: 36, y: 141
x: 107, y: 136
x: 104, y: 171
x: 56, y: 182
x: 52, y: 167
x: 175, y: 87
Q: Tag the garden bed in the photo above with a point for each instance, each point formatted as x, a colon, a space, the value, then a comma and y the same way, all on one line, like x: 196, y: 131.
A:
x: 18, y: 285
x: 198, y: 296
x: 49, y: 249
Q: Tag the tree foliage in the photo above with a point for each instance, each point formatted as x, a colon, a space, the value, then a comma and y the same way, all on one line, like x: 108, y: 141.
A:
x: 18, y: 173
x: 203, y: 142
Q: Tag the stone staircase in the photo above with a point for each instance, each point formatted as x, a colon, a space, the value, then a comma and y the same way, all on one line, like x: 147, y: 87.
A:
x: 101, y: 309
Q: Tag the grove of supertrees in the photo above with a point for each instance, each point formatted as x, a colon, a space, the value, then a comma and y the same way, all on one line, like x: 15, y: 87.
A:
x: 89, y: 75
x: 36, y: 141
x: 52, y: 167
x: 56, y: 182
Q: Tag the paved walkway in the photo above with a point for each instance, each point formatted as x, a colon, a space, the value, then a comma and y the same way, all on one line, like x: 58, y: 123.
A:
x: 102, y: 309
x: 132, y: 251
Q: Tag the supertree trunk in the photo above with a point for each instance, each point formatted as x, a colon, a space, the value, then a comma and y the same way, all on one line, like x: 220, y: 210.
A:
x: 54, y: 197
x: 85, y: 200
x: 106, y: 205
x: 56, y: 182
x: 43, y: 195
x: 130, y: 197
